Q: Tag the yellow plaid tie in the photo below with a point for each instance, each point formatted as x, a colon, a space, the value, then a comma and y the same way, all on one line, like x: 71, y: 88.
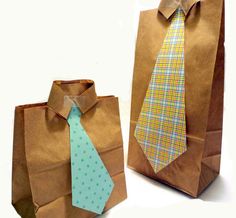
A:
x: 161, y: 127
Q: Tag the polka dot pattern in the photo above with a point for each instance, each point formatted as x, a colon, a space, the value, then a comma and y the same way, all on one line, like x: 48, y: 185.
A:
x: 91, y: 182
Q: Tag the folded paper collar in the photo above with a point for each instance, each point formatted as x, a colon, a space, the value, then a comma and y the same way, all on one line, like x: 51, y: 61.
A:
x: 168, y: 7
x: 66, y: 93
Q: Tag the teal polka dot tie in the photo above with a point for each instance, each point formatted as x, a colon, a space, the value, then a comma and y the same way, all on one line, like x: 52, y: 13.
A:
x: 91, y: 182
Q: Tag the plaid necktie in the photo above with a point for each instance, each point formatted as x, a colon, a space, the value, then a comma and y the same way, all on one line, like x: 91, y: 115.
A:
x: 91, y: 182
x: 161, y: 127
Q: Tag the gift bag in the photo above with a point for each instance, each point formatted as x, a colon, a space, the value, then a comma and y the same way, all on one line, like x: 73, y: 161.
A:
x: 193, y: 170
x: 43, y: 176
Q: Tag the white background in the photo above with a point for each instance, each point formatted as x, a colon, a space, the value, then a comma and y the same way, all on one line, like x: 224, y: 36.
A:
x: 53, y: 39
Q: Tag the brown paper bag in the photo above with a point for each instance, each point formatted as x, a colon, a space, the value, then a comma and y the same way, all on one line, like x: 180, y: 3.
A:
x: 41, y: 182
x: 193, y: 171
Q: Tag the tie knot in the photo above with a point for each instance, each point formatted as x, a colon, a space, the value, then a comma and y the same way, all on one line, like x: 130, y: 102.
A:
x: 180, y: 11
x: 74, y: 114
x: 178, y: 17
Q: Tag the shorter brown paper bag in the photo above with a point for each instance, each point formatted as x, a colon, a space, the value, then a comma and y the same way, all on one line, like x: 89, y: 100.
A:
x: 194, y: 170
x: 41, y: 176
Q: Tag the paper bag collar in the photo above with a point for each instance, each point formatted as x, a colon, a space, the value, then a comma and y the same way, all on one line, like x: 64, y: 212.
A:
x: 65, y: 93
x: 168, y: 7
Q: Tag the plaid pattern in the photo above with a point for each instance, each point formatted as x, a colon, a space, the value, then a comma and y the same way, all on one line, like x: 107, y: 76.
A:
x: 161, y: 127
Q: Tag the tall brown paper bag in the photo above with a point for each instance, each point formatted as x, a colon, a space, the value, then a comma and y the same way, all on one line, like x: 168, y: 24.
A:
x: 194, y: 170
